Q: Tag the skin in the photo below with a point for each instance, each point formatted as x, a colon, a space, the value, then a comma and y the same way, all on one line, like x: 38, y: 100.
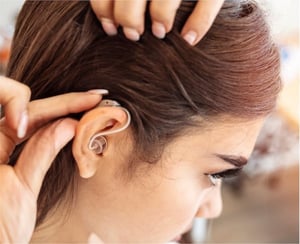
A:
x: 130, y: 15
x: 48, y: 135
x: 159, y: 202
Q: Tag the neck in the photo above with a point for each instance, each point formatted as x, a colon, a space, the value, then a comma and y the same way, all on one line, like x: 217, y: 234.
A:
x: 60, y: 227
x: 76, y: 222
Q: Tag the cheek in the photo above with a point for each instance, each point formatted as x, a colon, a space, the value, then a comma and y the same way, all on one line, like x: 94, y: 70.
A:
x: 187, y: 195
x: 177, y: 202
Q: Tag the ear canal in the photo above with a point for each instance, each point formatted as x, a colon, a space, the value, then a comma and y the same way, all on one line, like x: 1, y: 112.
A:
x: 98, y: 144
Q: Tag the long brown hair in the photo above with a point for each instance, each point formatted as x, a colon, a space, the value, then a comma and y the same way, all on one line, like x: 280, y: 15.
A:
x: 60, y: 47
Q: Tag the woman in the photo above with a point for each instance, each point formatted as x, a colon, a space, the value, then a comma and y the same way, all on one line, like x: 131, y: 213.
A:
x: 195, y: 114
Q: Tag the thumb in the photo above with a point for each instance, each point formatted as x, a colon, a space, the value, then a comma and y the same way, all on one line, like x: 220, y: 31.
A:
x: 41, y: 150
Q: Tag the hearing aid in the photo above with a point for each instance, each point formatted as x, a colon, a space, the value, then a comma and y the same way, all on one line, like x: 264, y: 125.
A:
x: 98, y: 142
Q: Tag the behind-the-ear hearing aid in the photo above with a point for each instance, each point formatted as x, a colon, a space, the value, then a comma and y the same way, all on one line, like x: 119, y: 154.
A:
x: 98, y: 142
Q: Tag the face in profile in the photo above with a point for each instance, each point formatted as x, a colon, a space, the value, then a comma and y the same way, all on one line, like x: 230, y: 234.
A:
x: 160, y: 201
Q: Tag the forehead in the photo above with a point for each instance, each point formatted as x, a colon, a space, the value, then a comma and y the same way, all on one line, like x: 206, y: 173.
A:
x: 221, y: 137
x: 233, y: 138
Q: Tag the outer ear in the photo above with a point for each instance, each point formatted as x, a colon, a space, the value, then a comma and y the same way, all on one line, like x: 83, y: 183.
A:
x: 100, y: 119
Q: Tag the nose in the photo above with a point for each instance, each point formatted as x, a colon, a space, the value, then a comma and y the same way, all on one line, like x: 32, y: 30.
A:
x: 212, y: 205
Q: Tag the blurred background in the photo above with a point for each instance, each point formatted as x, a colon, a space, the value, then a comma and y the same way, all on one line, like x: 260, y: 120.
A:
x: 262, y: 204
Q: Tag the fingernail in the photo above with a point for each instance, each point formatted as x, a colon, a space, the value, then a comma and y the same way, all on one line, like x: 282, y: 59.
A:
x: 131, y: 33
x: 190, y: 37
x: 159, y: 30
x: 99, y: 91
x: 94, y: 239
x: 109, y: 27
x: 22, y: 128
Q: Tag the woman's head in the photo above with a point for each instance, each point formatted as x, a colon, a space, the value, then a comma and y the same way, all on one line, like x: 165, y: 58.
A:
x: 190, y: 106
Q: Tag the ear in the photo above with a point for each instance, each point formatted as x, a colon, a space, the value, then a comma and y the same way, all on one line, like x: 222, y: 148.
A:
x: 100, y: 119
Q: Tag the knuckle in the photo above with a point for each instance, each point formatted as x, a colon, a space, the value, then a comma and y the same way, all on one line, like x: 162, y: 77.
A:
x: 102, y: 9
x: 25, y: 90
x: 160, y: 14
x: 45, y: 140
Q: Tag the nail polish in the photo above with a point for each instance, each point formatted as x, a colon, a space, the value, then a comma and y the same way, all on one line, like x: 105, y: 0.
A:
x: 131, y: 33
x: 94, y: 239
x: 22, y: 128
x: 190, y: 37
x: 159, y: 30
x: 109, y: 27
x: 99, y: 91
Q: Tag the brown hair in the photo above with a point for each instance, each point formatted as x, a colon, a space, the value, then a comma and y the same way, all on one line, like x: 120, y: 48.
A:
x: 60, y: 47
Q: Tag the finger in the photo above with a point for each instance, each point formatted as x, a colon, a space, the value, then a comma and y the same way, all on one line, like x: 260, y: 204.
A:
x: 44, y: 110
x: 14, y: 97
x: 201, y: 20
x: 104, y: 12
x: 41, y: 150
x: 131, y: 15
x: 94, y: 239
x: 162, y: 14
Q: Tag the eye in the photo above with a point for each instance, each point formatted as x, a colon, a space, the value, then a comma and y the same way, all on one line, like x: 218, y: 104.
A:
x: 224, y: 174
x: 212, y: 179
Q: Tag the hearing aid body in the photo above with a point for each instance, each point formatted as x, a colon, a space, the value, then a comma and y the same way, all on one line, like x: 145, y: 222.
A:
x: 98, y: 143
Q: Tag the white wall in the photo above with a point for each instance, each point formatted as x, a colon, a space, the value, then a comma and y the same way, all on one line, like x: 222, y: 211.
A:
x: 8, y: 10
x: 283, y: 15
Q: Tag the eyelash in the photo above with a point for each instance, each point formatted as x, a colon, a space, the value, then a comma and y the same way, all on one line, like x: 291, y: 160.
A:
x: 224, y: 174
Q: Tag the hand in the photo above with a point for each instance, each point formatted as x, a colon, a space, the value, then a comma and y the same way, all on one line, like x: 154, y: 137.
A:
x: 130, y: 15
x: 20, y: 185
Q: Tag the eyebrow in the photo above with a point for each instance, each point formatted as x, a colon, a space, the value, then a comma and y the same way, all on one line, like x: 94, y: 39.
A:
x: 238, y: 161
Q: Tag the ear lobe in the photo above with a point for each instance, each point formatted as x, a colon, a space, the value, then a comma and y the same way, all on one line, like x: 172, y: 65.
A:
x: 100, y: 119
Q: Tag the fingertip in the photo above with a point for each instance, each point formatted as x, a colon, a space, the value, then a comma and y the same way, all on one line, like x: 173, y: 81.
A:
x: 100, y: 92
x: 201, y: 20
x: 191, y: 37
x: 109, y: 27
x: 158, y: 30
x: 16, y: 117
x: 15, y: 104
x: 131, y: 33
